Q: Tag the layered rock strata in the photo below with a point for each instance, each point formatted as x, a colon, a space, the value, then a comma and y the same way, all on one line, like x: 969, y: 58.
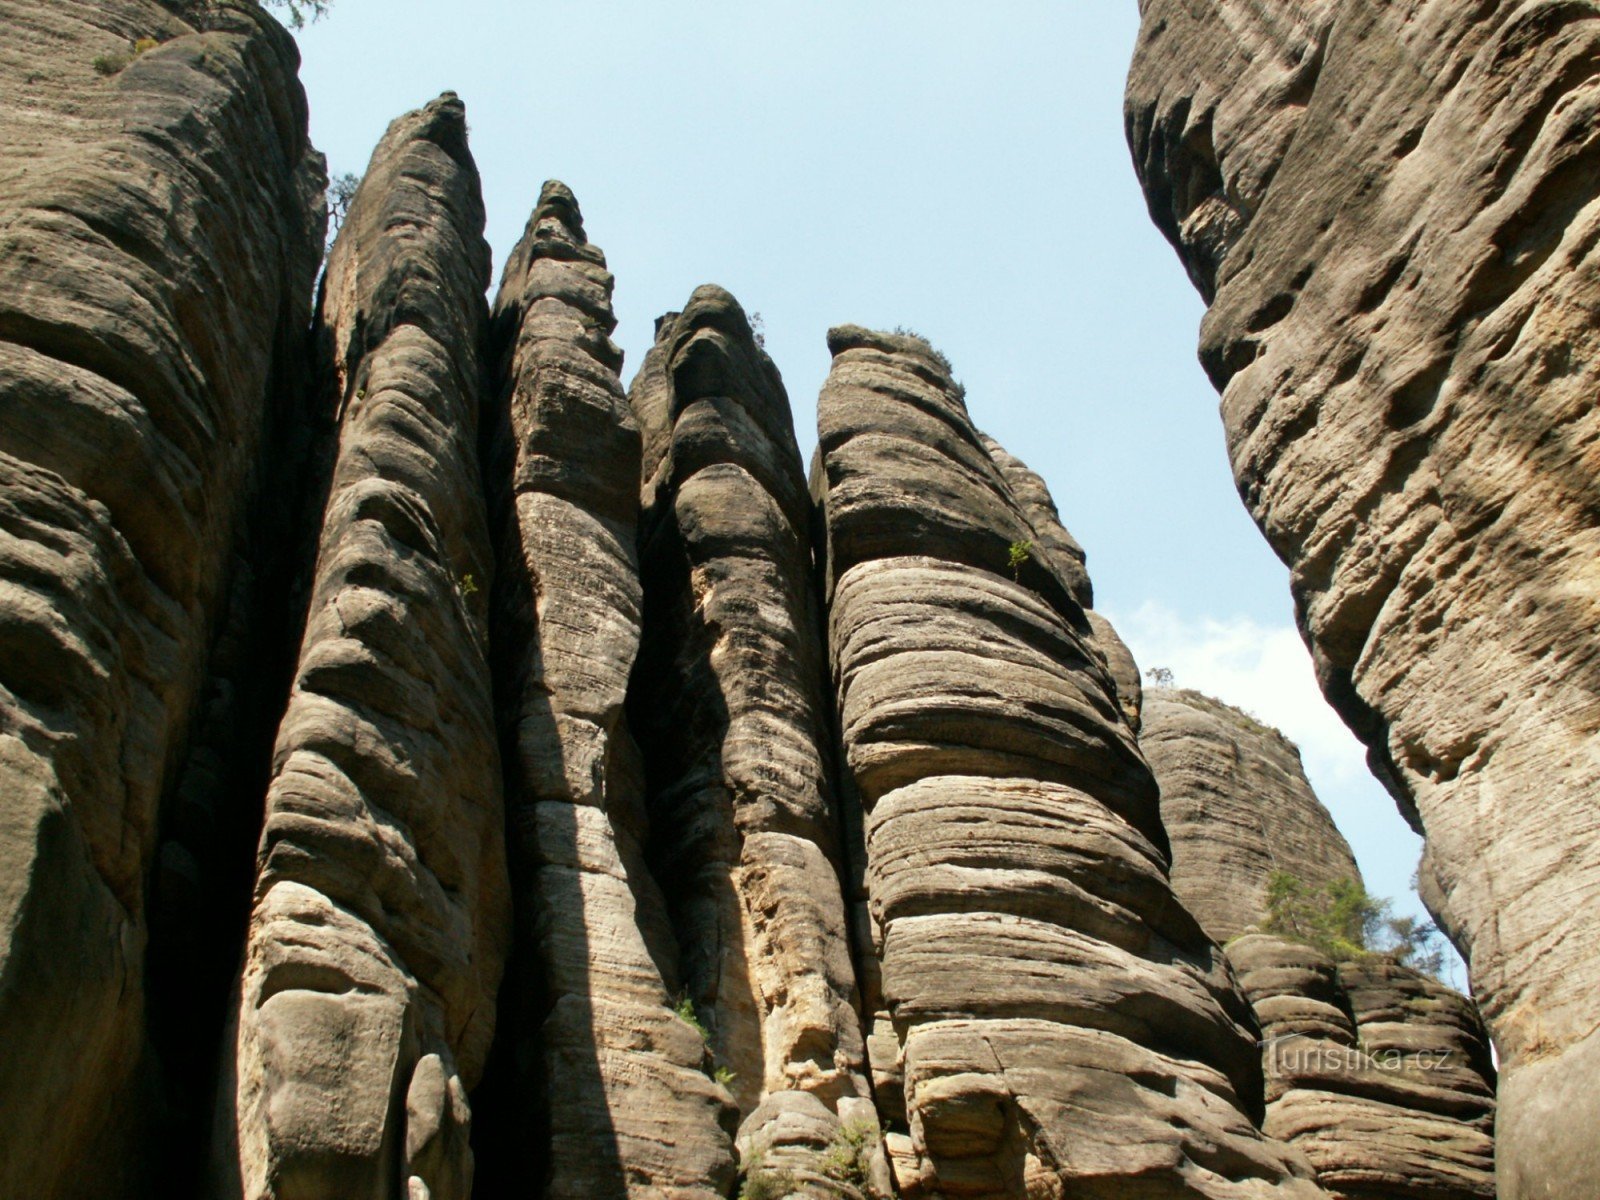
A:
x: 1392, y: 210
x: 622, y: 1081
x: 1378, y: 1073
x: 730, y: 707
x: 1061, y: 1026
x: 160, y: 229
x: 381, y: 917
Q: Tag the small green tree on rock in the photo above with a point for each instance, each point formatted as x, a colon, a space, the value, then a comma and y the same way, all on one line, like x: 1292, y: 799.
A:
x: 1344, y: 921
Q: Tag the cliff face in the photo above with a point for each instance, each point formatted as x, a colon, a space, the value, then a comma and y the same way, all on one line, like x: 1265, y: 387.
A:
x: 1378, y: 1073
x: 427, y: 771
x: 152, y: 290
x: 381, y: 915
x: 1053, y: 1022
x: 1390, y: 207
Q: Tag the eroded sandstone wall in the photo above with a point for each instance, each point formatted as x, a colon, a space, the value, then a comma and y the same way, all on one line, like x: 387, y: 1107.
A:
x: 730, y: 705
x: 1380, y: 1074
x: 1391, y: 208
x: 381, y: 916
x: 1052, y: 1021
x: 620, y: 1081
x: 161, y: 231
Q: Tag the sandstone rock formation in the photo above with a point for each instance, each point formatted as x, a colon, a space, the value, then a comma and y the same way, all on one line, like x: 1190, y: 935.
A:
x: 731, y: 710
x: 1378, y: 1073
x: 1061, y: 1026
x: 381, y: 916
x: 622, y: 1081
x: 160, y: 234
x: 1390, y: 207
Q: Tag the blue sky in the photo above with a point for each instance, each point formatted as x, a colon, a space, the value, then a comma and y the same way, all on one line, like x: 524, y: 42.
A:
x: 955, y: 168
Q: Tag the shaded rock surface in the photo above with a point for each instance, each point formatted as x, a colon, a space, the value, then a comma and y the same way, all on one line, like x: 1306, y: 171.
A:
x: 601, y: 1059
x: 730, y: 707
x: 1378, y: 1073
x: 1392, y: 209
x: 381, y: 917
x: 159, y: 234
x: 1053, y: 1020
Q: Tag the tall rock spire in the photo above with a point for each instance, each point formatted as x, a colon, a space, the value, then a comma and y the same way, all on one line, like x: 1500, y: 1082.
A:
x: 731, y: 708
x: 1391, y: 209
x: 1060, y: 1025
x: 622, y: 1081
x: 160, y: 230
x: 381, y: 919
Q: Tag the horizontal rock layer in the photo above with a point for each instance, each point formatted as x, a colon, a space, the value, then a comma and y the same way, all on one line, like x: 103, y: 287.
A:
x: 158, y: 243
x: 1392, y: 209
x: 1055, y: 1023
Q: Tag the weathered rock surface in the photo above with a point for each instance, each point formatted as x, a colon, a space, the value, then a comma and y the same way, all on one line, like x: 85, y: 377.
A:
x: 159, y: 233
x: 730, y: 707
x: 1392, y: 208
x: 1379, y: 1074
x: 601, y: 1056
x: 1237, y: 807
x: 381, y: 917
x: 1060, y: 1025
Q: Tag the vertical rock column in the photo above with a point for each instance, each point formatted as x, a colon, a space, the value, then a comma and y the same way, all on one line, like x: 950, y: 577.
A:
x: 381, y: 917
x: 1065, y: 1027
x: 160, y: 229
x: 600, y: 1055
x: 1393, y: 210
x: 730, y: 708
x: 1378, y: 1073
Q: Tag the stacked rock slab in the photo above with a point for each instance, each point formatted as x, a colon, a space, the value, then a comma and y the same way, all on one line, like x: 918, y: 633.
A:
x: 600, y: 1054
x: 1064, y: 1026
x: 1393, y: 210
x: 1378, y: 1073
x: 381, y: 917
x: 159, y: 234
x: 1052, y: 539
x: 731, y: 710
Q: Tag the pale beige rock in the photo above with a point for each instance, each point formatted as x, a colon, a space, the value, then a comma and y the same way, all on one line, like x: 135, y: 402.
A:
x: 159, y: 234
x: 381, y: 919
x: 730, y: 709
x: 1401, y: 206
x: 1058, y: 1024
x: 597, y: 1051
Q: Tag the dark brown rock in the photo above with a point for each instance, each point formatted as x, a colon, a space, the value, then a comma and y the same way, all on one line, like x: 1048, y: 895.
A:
x: 622, y: 1081
x: 1057, y: 1023
x: 159, y: 233
x: 1391, y: 209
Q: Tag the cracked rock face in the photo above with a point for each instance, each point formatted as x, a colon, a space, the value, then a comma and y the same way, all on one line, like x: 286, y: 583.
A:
x: 1052, y: 1019
x: 1378, y: 1073
x: 622, y: 1080
x: 730, y: 707
x: 381, y: 916
x: 151, y: 289
x: 1391, y: 208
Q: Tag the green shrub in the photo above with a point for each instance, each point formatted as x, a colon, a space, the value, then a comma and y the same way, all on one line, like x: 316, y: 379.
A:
x: 724, y: 1076
x: 1018, y: 554
x: 846, y: 1160
x: 686, y: 1013
x: 1346, y: 923
x: 763, y: 1183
